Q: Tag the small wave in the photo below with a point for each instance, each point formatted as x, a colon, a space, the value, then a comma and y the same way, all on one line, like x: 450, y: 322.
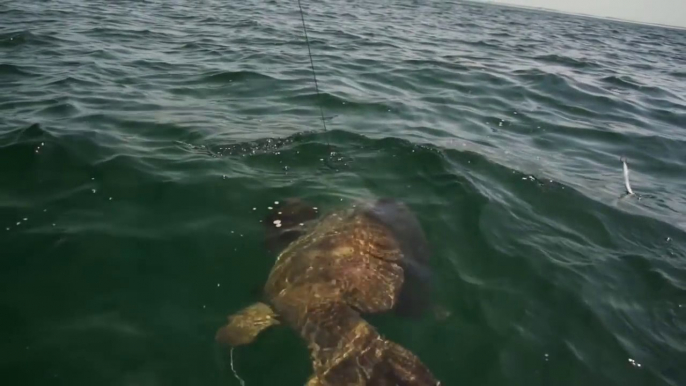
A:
x: 12, y: 70
x: 260, y: 146
x: 24, y: 136
x: 627, y: 82
x: 234, y: 76
x: 151, y: 64
x: 61, y: 109
x: 500, y: 34
x: 622, y: 81
x: 71, y: 81
x: 490, y: 43
x: 13, y: 39
x: 565, y: 60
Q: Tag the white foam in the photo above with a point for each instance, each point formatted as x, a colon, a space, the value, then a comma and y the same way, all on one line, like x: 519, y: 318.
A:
x: 626, y: 177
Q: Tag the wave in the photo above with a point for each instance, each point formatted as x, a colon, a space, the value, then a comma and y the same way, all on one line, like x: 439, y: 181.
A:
x: 13, y: 39
x: 566, y: 61
x: 233, y: 76
x: 13, y: 70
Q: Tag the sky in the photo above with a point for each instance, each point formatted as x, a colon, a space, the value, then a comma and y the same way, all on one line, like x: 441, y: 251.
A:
x: 669, y: 12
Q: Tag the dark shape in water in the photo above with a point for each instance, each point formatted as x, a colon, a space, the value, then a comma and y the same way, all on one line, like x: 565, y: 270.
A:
x: 406, y: 229
x: 350, y: 262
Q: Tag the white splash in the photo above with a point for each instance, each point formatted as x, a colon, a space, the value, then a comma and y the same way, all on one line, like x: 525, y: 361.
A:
x: 626, y: 176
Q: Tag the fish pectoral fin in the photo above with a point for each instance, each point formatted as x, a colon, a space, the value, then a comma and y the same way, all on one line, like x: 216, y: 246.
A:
x: 314, y: 381
x: 244, y: 326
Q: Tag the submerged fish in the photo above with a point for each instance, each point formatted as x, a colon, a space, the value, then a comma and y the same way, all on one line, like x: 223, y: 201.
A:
x: 365, y: 259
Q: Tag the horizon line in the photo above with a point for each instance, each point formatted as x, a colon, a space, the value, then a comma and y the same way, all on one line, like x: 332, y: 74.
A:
x: 562, y: 12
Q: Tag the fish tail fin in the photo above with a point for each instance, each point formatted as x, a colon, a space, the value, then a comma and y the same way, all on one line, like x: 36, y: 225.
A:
x: 406, y: 368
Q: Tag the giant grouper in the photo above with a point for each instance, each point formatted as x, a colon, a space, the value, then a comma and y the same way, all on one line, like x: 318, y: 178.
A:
x: 367, y: 258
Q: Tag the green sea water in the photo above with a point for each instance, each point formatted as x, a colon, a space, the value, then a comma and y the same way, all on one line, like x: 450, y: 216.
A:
x: 141, y: 143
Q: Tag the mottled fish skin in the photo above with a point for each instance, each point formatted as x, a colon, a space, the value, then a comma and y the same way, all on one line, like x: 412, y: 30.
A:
x: 351, y: 262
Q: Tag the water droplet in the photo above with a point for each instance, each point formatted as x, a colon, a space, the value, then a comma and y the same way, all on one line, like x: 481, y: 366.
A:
x: 218, y: 284
x: 18, y: 222
x: 26, y: 219
x: 53, y: 224
x: 270, y: 208
x: 110, y: 198
x: 94, y: 190
x: 254, y: 208
x: 276, y: 203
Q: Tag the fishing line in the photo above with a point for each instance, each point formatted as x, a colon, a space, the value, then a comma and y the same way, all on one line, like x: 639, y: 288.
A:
x: 314, y: 73
x: 235, y: 374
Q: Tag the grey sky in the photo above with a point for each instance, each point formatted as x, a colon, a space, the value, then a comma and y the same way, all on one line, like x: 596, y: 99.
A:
x: 670, y: 12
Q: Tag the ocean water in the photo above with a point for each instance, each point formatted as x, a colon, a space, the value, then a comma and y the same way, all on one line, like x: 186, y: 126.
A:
x: 141, y: 143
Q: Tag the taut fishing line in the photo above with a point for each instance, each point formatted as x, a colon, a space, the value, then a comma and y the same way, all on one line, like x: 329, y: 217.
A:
x: 235, y: 374
x: 321, y: 112
x: 314, y: 73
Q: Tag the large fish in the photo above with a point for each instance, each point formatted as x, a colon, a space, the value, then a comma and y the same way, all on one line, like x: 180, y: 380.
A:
x: 368, y: 258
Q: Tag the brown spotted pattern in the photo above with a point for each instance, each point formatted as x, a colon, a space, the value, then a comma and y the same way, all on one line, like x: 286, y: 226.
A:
x: 346, y: 265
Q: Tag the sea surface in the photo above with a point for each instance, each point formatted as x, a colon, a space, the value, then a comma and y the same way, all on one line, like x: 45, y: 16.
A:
x: 142, y: 142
